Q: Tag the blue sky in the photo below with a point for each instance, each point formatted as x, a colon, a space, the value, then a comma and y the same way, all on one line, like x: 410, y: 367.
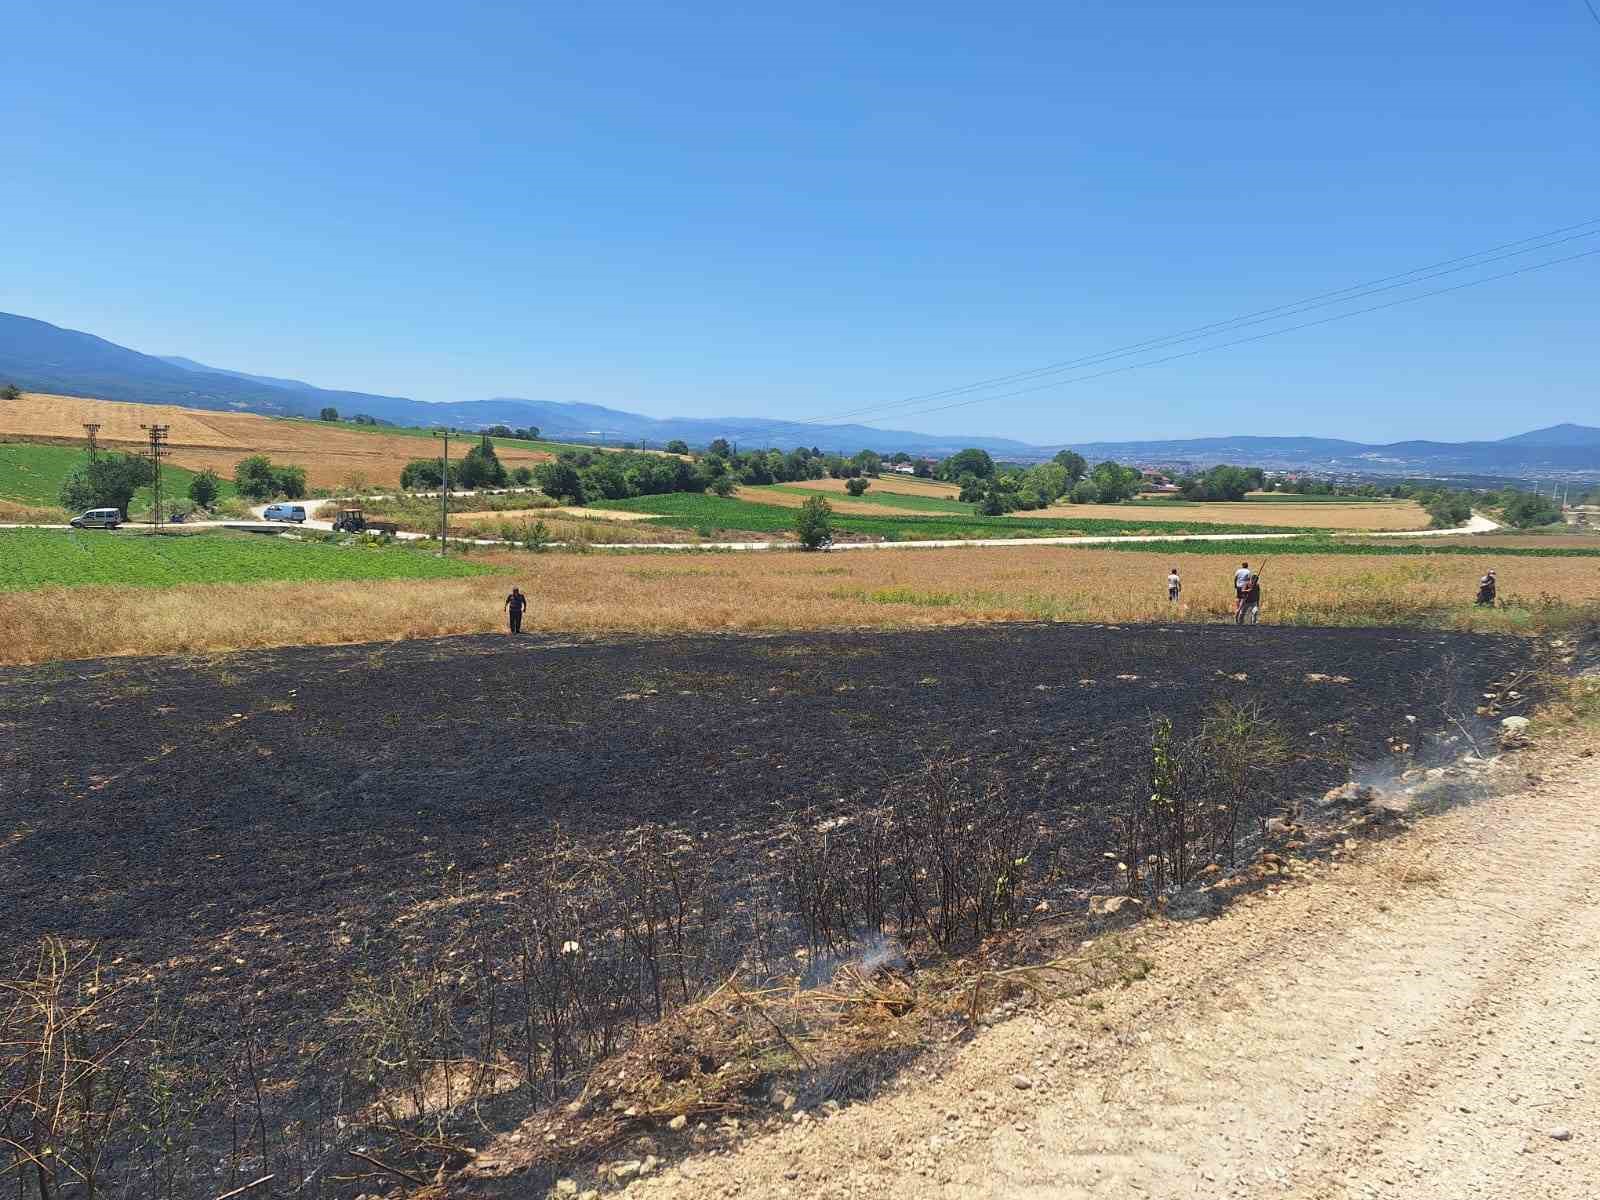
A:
x: 719, y: 210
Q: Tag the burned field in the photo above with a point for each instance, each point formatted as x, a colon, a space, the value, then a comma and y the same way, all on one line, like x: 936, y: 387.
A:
x: 272, y: 839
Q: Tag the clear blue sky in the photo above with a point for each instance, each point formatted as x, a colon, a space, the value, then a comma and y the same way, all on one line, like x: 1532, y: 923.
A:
x: 727, y: 210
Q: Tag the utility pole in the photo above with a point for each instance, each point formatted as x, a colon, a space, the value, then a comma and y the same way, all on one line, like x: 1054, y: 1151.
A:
x: 158, y: 451
x: 444, y: 491
x: 91, y: 428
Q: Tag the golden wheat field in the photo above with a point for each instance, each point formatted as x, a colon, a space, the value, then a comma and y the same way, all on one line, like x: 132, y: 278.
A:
x: 676, y: 593
x: 1361, y: 514
x: 332, y: 455
x: 904, y: 485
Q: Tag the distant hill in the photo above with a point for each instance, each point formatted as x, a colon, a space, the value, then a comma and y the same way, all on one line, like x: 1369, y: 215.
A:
x: 41, y: 357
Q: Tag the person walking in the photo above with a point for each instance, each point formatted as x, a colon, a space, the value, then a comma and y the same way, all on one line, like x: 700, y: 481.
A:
x: 1250, y: 602
x: 1174, y: 586
x: 514, y: 605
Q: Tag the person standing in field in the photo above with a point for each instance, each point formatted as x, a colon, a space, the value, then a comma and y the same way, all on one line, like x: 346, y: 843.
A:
x: 1241, y: 578
x: 1174, y: 586
x: 1250, y: 601
x: 514, y: 605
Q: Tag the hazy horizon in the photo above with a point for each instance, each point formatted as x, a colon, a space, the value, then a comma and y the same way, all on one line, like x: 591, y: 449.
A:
x: 799, y: 215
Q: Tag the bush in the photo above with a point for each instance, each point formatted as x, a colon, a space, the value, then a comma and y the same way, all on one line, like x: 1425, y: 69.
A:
x: 1526, y: 510
x: 856, y: 487
x: 560, y: 480
x: 1085, y: 492
x: 813, y: 525
x: 677, y: 446
x: 330, y: 414
x: 108, y: 482
x: 481, y: 467
x: 10, y: 392
x: 723, y: 485
x: 259, y: 479
x: 204, y: 488
x: 522, y: 476
x: 422, y: 475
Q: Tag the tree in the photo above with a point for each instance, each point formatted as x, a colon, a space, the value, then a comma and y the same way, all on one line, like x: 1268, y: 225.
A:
x: 900, y: 458
x: 257, y: 478
x: 719, y: 446
x: 1085, y: 492
x: 522, y: 476
x: 330, y: 413
x: 967, y: 462
x: 856, y: 487
x: 869, y: 462
x: 560, y: 481
x: 723, y: 485
x: 1525, y: 510
x: 1114, y: 483
x: 204, y: 488
x: 1073, y: 463
x: 481, y: 467
x: 922, y: 469
x: 108, y: 482
x: 677, y: 446
x: 421, y: 475
x: 10, y: 392
x: 813, y: 525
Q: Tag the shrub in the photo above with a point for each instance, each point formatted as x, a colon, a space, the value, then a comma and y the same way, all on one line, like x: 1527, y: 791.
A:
x: 1085, y: 492
x: 204, y: 488
x: 422, y: 475
x: 856, y: 487
x: 260, y: 479
x: 10, y: 392
x: 108, y: 482
x: 330, y: 414
x: 723, y: 485
x: 522, y: 476
x: 813, y: 524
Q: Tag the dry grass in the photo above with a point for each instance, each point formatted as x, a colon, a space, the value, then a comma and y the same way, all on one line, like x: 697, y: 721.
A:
x: 566, y: 525
x: 655, y: 593
x: 904, y: 485
x: 331, y: 455
x: 840, y: 503
x: 15, y: 511
x: 1380, y: 515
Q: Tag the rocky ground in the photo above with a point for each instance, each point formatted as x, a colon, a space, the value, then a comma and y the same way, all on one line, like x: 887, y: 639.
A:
x: 1419, y: 1020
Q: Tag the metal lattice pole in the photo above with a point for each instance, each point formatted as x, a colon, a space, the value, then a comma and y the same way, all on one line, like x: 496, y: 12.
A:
x: 158, y: 451
x: 444, y: 491
x: 92, y: 429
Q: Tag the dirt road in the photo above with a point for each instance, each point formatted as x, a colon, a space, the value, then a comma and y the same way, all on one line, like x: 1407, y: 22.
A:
x: 1423, y: 1021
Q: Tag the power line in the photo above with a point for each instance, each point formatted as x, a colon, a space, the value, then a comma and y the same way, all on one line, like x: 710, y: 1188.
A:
x: 1593, y: 12
x: 1292, y: 308
x: 1156, y: 362
x: 1480, y: 258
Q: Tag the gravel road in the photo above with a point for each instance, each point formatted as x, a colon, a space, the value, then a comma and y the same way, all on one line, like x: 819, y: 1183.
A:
x: 1423, y: 1021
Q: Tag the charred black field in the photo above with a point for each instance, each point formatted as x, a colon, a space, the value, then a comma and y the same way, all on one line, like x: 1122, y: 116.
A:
x: 258, y: 836
x: 161, y: 806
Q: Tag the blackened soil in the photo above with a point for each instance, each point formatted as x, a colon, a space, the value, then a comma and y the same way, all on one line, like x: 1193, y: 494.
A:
x: 257, y: 828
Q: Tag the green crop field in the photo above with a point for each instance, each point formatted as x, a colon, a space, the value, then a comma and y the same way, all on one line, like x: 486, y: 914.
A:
x: 466, y: 438
x: 34, y: 474
x: 707, y: 514
x: 36, y: 558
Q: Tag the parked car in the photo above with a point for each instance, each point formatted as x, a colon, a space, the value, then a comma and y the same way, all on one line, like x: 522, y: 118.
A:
x: 97, y: 518
x: 285, y: 512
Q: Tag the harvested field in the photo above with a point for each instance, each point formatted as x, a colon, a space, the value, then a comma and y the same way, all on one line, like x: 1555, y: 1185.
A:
x: 281, y: 843
x: 1353, y: 514
x: 333, y: 455
x: 646, y: 592
x: 793, y: 495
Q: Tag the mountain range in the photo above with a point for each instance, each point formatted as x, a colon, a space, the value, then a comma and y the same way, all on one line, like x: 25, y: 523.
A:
x: 37, y: 356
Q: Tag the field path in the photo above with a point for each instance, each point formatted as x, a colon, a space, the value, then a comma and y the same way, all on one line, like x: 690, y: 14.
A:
x: 1421, y: 1022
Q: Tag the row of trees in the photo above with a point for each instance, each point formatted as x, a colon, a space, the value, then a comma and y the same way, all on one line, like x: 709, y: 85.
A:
x: 332, y: 414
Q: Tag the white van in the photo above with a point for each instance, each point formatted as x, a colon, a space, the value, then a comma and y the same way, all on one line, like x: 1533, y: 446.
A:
x: 285, y: 512
x: 97, y: 518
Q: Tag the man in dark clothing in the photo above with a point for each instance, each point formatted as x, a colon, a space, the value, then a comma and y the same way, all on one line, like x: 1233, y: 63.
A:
x: 515, y: 603
x: 1486, y: 590
x: 1250, y: 601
